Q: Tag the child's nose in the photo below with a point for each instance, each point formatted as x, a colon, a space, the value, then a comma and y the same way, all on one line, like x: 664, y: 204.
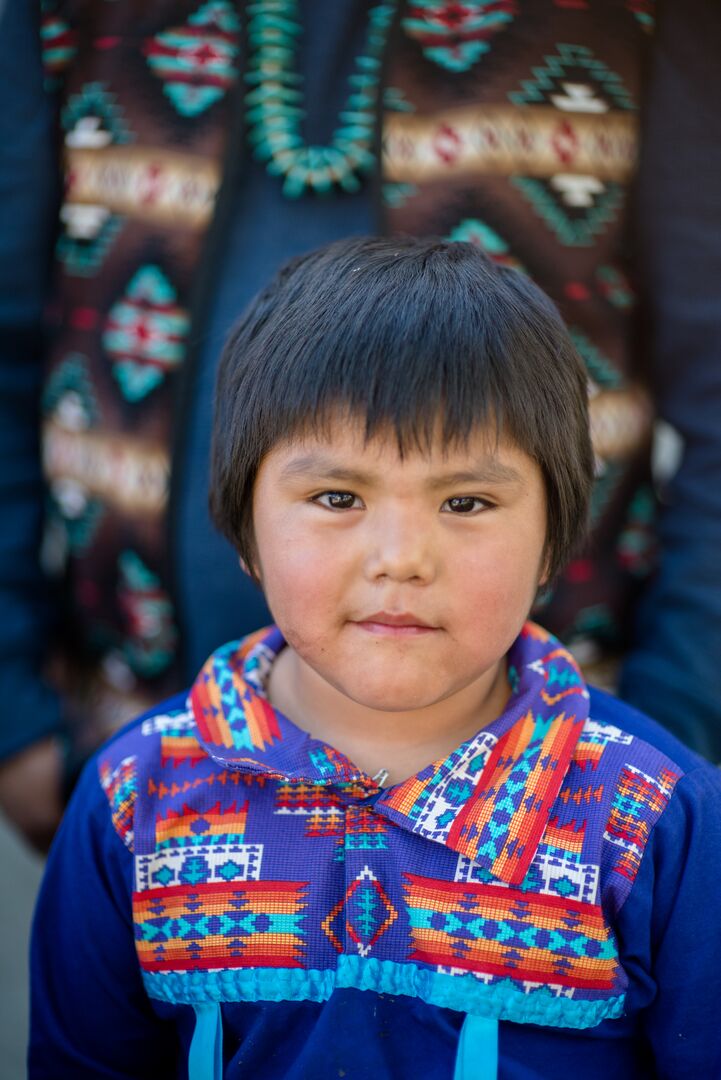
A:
x: 400, y: 548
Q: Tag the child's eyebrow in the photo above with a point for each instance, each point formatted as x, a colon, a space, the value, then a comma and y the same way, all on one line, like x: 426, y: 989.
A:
x: 491, y: 471
x: 321, y: 466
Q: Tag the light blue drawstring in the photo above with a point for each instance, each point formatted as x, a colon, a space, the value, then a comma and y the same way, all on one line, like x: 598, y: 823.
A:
x: 205, y: 1057
x: 477, y: 1053
x: 476, y: 1056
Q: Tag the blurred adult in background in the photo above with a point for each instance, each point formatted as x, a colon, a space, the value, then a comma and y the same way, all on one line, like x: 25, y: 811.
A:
x: 159, y: 160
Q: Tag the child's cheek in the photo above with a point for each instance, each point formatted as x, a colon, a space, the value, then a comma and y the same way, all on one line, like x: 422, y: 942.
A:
x: 500, y: 579
x: 301, y: 590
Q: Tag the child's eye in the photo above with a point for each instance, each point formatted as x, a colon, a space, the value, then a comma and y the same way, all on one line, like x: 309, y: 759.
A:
x: 465, y: 504
x: 338, y: 500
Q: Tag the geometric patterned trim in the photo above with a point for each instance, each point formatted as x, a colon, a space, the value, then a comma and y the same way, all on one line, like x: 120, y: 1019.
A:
x: 242, y: 924
x: 505, y: 932
x: 507, y: 140
x: 547, y: 79
x: 59, y: 44
x: 456, y: 36
x: 638, y: 802
x: 228, y: 711
x: 131, y: 475
x: 571, y: 231
x: 144, y: 183
x: 144, y: 333
x: 121, y: 788
x: 192, y: 827
x: 502, y: 826
x: 203, y: 865
x: 367, y: 911
x: 196, y: 62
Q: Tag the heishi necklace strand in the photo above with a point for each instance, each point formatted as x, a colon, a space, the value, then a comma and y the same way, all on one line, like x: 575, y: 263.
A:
x: 275, y: 103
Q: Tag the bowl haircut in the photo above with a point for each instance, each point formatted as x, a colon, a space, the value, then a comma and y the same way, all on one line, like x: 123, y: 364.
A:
x: 412, y: 337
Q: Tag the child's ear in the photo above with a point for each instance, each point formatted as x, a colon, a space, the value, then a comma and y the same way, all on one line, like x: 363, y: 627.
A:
x: 545, y: 574
x: 250, y: 571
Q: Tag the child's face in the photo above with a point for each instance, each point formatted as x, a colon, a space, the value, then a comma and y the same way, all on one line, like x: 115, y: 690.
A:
x: 400, y: 582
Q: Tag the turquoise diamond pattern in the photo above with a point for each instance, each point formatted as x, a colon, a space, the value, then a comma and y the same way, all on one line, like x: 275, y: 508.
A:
x: 230, y: 870
x: 69, y: 401
x: 92, y: 119
x: 145, y: 333
x: 467, y: 927
x: 151, y: 635
x: 564, y: 886
x: 83, y: 257
x: 196, y: 62
x: 561, y: 677
x: 95, y: 109
x: 456, y: 36
x: 495, y: 831
x: 232, y: 706
x: 163, y: 876
x: 583, y: 81
x: 368, y: 911
x: 572, y: 61
x: 573, y: 231
x: 227, y: 924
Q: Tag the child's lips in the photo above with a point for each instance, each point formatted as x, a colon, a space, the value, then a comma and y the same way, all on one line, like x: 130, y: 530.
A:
x: 388, y: 624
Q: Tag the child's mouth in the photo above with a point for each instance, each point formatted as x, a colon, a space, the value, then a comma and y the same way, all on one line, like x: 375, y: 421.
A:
x: 387, y: 624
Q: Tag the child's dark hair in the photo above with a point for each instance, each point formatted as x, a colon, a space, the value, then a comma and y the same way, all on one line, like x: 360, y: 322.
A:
x: 414, y: 336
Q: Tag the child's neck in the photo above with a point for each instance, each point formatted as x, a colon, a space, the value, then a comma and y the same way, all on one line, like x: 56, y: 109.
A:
x: 398, y: 743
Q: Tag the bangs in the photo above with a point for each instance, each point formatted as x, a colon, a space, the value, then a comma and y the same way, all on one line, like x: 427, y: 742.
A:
x: 402, y: 343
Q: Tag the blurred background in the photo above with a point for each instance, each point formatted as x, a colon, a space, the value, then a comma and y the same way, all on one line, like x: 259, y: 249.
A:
x: 19, y: 881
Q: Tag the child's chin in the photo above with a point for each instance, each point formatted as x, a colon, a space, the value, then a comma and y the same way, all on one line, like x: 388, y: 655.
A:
x: 394, y: 699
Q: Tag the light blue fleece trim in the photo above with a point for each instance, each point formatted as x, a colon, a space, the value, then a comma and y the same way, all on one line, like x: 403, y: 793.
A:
x: 504, y: 1000
x: 477, y: 1053
x: 205, y: 1057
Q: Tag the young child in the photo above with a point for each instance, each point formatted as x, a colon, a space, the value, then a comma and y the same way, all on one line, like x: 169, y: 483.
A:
x: 395, y: 836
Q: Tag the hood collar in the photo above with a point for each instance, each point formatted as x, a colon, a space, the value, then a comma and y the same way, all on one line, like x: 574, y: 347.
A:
x: 490, y: 800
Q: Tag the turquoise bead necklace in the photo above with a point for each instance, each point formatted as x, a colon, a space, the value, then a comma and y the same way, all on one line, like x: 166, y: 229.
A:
x: 275, y: 103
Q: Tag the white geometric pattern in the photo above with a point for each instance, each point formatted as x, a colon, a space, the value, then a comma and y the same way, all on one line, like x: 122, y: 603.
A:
x: 181, y: 721
x: 202, y: 864
x: 593, y: 732
x: 551, y: 874
x: 441, y: 807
